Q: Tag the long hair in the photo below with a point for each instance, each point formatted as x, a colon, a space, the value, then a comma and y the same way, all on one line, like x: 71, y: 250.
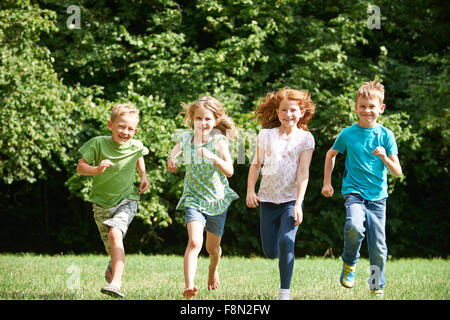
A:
x: 223, y: 122
x: 266, y: 112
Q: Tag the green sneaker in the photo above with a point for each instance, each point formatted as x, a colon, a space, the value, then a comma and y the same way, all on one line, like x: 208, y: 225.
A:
x: 348, y: 276
x: 379, y: 293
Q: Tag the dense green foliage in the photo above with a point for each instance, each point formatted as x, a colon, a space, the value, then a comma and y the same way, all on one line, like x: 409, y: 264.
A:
x: 57, y: 85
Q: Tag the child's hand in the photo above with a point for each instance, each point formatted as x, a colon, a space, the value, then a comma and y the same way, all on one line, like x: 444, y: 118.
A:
x: 327, y: 190
x: 144, y: 184
x: 381, y: 152
x: 298, y: 215
x: 104, y: 165
x: 171, y: 165
x: 205, y: 153
x: 252, y: 200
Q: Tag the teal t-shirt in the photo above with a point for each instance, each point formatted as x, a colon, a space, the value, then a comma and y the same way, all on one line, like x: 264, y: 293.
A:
x: 116, y: 182
x: 205, y: 186
x: 365, y: 173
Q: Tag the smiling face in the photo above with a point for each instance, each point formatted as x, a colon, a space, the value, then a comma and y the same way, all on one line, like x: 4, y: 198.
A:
x: 289, y: 113
x: 204, y: 122
x: 123, y: 127
x: 368, y: 110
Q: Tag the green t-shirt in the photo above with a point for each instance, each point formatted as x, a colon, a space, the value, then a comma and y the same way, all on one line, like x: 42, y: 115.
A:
x: 116, y: 182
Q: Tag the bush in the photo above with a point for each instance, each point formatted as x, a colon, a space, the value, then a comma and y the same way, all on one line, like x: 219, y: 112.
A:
x: 58, y: 85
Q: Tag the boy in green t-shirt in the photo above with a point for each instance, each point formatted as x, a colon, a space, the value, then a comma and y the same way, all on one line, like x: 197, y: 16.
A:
x: 112, y: 160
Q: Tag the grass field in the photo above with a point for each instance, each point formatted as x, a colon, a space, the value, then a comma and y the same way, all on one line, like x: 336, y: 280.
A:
x: 158, y: 277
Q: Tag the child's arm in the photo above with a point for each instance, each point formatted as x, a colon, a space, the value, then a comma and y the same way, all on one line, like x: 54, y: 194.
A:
x: 84, y: 168
x: 144, y: 185
x: 327, y: 189
x: 391, y: 162
x: 252, y: 199
x: 171, y: 165
x: 302, y: 184
x: 223, y: 160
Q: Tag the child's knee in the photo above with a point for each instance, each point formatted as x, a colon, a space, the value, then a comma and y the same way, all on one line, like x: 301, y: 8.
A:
x: 354, y: 229
x: 195, y: 244
x: 213, y: 250
x: 114, y: 236
x: 271, y: 253
x: 286, y: 243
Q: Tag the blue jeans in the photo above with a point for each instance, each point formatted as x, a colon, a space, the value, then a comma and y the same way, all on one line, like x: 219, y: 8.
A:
x: 214, y: 224
x: 278, y: 236
x: 373, y: 213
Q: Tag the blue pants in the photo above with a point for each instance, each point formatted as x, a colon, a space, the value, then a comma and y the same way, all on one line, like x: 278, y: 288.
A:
x: 372, y: 214
x: 278, y: 236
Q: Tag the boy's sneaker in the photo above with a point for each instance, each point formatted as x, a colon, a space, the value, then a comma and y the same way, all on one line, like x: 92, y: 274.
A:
x: 348, y: 276
x: 379, y: 293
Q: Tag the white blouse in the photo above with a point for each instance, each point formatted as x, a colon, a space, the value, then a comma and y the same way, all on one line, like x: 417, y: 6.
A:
x: 280, y: 159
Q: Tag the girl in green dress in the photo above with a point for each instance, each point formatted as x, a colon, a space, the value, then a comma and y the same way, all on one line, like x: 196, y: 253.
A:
x: 206, y: 195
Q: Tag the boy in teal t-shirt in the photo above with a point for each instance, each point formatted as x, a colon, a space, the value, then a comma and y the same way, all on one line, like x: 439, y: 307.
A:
x: 112, y: 160
x: 370, y: 151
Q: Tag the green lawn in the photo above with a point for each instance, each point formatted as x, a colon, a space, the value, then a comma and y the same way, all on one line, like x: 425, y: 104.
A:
x: 28, y: 276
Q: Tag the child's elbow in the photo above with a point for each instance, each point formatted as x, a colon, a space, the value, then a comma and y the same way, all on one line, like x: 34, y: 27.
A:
x: 80, y: 167
x: 229, y: 173
x: 331, y: 154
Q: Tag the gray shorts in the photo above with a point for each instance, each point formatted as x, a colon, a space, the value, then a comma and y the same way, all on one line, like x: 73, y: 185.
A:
x: 119, y: 216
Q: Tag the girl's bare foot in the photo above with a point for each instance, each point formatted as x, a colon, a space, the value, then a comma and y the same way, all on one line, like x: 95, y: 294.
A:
x: 213, y: 279
x: 190, y: 292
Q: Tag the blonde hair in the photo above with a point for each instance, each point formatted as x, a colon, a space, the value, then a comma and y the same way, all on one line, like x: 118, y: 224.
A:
x: 266, y: 112
x: 223, y: 123
x: 371, y: 89
x: 123, y: 108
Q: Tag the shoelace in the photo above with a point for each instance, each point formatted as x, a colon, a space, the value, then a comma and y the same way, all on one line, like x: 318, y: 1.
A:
x: 347, y: 270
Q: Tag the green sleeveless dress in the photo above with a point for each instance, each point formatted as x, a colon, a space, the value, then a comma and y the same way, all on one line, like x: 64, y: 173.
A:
x: 206, y: 188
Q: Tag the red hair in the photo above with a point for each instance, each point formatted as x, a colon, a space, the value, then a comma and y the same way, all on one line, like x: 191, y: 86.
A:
x: 266, y: 112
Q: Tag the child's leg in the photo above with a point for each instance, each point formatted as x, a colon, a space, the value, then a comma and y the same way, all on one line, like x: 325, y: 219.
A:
x: 215, y: 252
x: 214, y: 227
x: 113, y: 225
x: 376, y: 240
x: 193, y: 248
x: 287, y: 235
x: 353, y: 228
x: 117, y: 253
x: 269, y: 227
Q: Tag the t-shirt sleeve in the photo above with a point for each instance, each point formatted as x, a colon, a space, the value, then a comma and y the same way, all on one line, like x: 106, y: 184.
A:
x: 89, y: 151
x: 184, y: 138
x: 220, y: 137
x: 143, y: 150
x: 339, y: 143
x: 261, y: 141
x: 391, y: 146
x: 309, y: 141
